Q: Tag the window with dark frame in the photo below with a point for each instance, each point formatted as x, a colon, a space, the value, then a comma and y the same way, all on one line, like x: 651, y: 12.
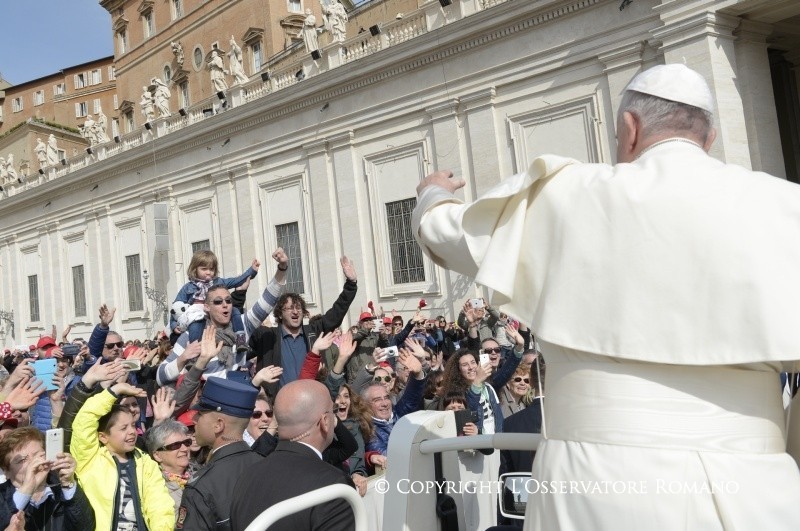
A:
x: 79, y: 289
x: 407, y: 264
x: 288, y: 236
x: 134, y: 271
x: 33, y: 297
x: 202, y: 245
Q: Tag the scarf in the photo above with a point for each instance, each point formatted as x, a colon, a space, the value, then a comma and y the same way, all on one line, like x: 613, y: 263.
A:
x: 179, y: 479
x: 226, y: 356
x: 202, y: 288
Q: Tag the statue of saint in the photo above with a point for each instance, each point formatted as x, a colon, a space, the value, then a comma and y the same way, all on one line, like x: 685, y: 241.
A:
x: 337, y: 21
x: 146, y: 102
x: 161, y: 97
x: 101, y: 127
x: 310, y: 32
x: 177, y: 51
x: 235, y: 60
x: 52, y: 150
x: 41, y: 153
x: 218, y: 72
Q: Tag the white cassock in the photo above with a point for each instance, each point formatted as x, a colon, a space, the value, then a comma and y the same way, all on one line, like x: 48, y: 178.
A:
x: 665, y: 296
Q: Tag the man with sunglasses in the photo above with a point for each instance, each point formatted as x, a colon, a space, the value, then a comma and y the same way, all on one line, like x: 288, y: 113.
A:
x: 218, y: 308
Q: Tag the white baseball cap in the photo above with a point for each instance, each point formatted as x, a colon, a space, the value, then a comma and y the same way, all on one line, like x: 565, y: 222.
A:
x: 674, y: 82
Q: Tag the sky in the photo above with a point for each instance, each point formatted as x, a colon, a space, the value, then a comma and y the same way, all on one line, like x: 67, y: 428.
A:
x: 41, y: 37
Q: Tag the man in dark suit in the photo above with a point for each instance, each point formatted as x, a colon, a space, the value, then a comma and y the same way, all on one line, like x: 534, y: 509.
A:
x: 287, y: 344
x: 304, y: 412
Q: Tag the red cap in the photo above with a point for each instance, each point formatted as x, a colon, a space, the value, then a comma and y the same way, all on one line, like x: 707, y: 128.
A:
x: 45, y: 342
x: 385, y: 365
x: 130, y: 349
x: 32, y: 348
x: 387, y: 320
x: 49, y: 352
x: 365, y: 316
x: 187, y: 418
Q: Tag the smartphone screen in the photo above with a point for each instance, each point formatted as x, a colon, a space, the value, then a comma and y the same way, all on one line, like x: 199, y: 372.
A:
x: 44, y: 370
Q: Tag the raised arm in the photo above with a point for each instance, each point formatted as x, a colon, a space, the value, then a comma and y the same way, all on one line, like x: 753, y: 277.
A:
x: 269, y: 297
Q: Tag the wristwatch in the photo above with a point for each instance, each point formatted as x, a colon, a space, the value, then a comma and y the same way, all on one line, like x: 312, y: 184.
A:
x: 283, y: 268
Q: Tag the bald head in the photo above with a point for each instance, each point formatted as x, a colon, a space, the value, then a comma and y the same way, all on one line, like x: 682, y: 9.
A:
x: 303, y: 409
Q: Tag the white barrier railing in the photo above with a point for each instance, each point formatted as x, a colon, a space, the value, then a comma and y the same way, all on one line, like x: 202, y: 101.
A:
x: 312, y: 499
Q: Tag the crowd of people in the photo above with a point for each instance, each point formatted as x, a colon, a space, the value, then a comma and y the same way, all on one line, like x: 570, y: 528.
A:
x: 174, y: 432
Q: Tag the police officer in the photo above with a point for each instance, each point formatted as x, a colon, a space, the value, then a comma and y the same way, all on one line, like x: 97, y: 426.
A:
x: 223, y: 412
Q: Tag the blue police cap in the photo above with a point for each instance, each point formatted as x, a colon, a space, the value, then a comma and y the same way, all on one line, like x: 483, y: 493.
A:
x: 228, y: 397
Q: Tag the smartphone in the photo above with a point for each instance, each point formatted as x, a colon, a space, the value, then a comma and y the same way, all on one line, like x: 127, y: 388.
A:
x: 464, y: 416
x: 476, y: 303
x: 54, y: 443
x: 239, y: 376
x: 44, y: 371
x: 391, y: 352
x: 132, y: 365
x: 484, y: 358
x: 70, y: 351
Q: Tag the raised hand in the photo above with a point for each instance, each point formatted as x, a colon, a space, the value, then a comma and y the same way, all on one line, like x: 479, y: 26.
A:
x: 124, y: 388
x: 163, y: 404
x: 209, y: 346
x: 280, y: 256
x: 346, y: 348
x: 443, y: 179
x: 348, y: 269
x: 65, y: 465
x: 25, y: 395
x: 103, y: 372
x: 413, y: 363
x: 106, y: 316
x: 21, y: 372
x: 514, y: 335
x: 415, y: 348
x: 323, y: 342
x: 256, y: 264
x: 269, y: 374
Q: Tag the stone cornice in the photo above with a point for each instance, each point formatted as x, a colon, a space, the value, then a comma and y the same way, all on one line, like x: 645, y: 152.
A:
x: 695, y: 27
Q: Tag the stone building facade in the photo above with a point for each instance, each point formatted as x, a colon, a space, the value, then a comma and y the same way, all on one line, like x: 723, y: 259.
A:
x: 327, y: 164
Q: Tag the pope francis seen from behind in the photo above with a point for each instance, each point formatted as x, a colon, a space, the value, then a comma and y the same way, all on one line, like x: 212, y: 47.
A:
x: 664, y: 292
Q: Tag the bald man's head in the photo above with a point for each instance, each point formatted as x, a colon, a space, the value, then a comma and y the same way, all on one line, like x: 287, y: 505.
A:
x: 304, y: 411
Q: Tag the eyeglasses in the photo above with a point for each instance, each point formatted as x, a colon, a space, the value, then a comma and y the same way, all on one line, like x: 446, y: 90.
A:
x: 171, y: 447
x: 519, y: 379
x: 226, y: 300
x: 118, y: 344
x: 259, y: 414
x: 382, y: 379
x: 491, y: 350
x: 296, y: 307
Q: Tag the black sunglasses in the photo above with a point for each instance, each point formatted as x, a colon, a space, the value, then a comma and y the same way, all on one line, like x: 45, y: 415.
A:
x: 171, y: 447
x: 259, y: 414
x: 226, y: 300
x: 382, y: 379
x: 491, y: 350
x: 118, y: 344
x: 519, y: 379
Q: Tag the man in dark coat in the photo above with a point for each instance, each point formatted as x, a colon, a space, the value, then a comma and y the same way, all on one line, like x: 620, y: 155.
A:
x: 224, y: 410
x: 305, y: 414
x: 287, y: 344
